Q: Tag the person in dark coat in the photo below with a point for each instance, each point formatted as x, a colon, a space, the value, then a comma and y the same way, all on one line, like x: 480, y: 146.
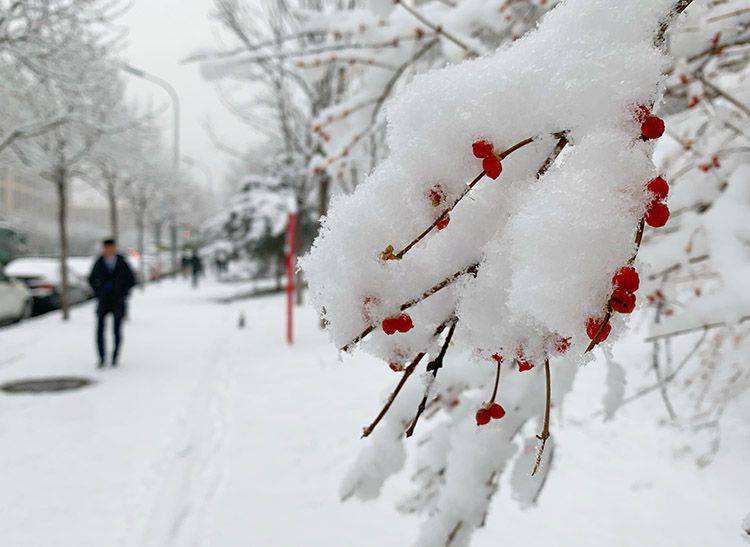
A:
x: 111, y: 279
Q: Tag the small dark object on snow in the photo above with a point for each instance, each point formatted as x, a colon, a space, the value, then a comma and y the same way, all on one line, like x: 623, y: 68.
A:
x: 241, y: 322
x: 51, y: 384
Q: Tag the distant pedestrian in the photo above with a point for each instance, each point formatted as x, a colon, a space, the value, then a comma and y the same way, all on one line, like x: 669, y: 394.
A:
x: 197, y: 269
x: 111, y: 279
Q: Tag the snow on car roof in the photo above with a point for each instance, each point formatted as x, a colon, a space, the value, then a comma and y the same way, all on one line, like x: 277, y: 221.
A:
x: 47, y: 268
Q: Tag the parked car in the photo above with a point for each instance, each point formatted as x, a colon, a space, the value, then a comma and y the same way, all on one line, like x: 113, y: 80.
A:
x: 16, y: 302
x: 42, y: 277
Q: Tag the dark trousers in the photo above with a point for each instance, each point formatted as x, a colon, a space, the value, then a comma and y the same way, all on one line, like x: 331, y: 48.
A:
x: 118, y: 313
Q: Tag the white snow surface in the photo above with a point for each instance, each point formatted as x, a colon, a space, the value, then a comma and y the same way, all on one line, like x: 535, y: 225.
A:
x: 211, y: 435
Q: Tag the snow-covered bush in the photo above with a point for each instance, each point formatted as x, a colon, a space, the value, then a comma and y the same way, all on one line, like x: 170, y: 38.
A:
x: 501, y: 229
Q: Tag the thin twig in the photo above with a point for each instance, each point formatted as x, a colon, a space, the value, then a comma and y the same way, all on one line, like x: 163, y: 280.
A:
x: 719, y: 91
x: 433, y: 366
x: 497, y: 382
x: 561, y: 144
x: 399, y: 255
x: 438, y: 29
x: 392, y: 397
x: 453, y: 533
x: 404, y: 377
x: 668, y: 378
x: 545, y: 434
x: 688, y: 330
x: 406, y: 305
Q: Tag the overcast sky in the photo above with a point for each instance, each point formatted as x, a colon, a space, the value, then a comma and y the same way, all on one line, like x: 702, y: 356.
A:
x: 162, y: 33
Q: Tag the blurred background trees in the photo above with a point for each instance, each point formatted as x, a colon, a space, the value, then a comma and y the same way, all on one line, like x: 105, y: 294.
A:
x: 64, y: 119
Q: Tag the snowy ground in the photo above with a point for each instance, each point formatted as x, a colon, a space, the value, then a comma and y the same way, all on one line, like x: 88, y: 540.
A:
x: 212, y: 435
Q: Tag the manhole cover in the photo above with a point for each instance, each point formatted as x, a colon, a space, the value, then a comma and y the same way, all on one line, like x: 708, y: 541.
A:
x: 45, y: 385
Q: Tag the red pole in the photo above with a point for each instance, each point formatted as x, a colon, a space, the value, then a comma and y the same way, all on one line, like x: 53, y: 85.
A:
x: 290, y: 229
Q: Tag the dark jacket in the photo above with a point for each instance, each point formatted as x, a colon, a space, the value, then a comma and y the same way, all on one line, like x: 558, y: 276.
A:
x: 111, y: 287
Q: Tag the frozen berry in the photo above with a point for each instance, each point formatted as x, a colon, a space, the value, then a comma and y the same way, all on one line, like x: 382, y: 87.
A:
x: 496, y: 411
x: 396, y: 367
x: 437, y: 195
x: 694, y: 100
x: 657, y: 214
x: 524, y: 365
x: 443, y: 222
x: 497, y: 357
x: 492, y: 166
x: 390, y: 325
x: 715, y: 161
x: 482, y: 149
x: 622, y: 301
x: 594, y: 326
x: 562, y: 344
x: 658, y: 187
x: 400, y: 323
x: 652, y: 127
x: 626, y: 279
x: 483, y: 416
x: 405, y: 323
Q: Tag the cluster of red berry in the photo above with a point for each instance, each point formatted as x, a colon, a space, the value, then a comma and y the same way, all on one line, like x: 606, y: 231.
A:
x: 399, y: 323
x: 490, y: 160
x: 489, y: 411
x: 713, y: 164
x: 657, y: 212
x: 622, y: 300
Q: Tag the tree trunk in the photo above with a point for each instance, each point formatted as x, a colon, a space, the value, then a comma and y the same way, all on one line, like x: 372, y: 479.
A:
x: 114, y: 227
x: 323, y: 189
x: 141, y: 225
x: 62, y: 219
x: 158, y: 228
x: 173, y: 243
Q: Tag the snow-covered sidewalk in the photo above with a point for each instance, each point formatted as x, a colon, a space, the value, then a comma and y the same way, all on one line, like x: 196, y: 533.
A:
x: 212, y: 435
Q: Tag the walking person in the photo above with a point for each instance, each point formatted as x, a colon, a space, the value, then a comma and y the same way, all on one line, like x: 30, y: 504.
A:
x: 111, y: 279
x: 197, y: 268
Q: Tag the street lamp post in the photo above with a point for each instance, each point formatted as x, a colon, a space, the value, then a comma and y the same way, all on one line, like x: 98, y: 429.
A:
x: 175, y: 137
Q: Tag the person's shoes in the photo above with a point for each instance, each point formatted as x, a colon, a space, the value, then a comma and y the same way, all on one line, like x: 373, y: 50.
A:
x: 101, y: 364
x: 114, y: 361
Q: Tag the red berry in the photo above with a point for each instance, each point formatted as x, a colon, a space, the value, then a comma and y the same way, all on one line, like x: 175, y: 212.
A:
x: 497, y: 357
x: 492, y: 166
x: 657, y: 214
x: 443, y: 222
x: 593, y: 326
x: 482, y: 149
x: 562, y: 344
x: 622, y: 301
x: 405, y: 323
x: 626, y: 279
x: 396, y: 367
x: 715, y: 161
x: 658, y: 187
x: 496, y: 411
x: 483, y: 416
x: 652, y: 127
x: 693, y: 101
x: 524, y: 365
x: 390, y: 325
